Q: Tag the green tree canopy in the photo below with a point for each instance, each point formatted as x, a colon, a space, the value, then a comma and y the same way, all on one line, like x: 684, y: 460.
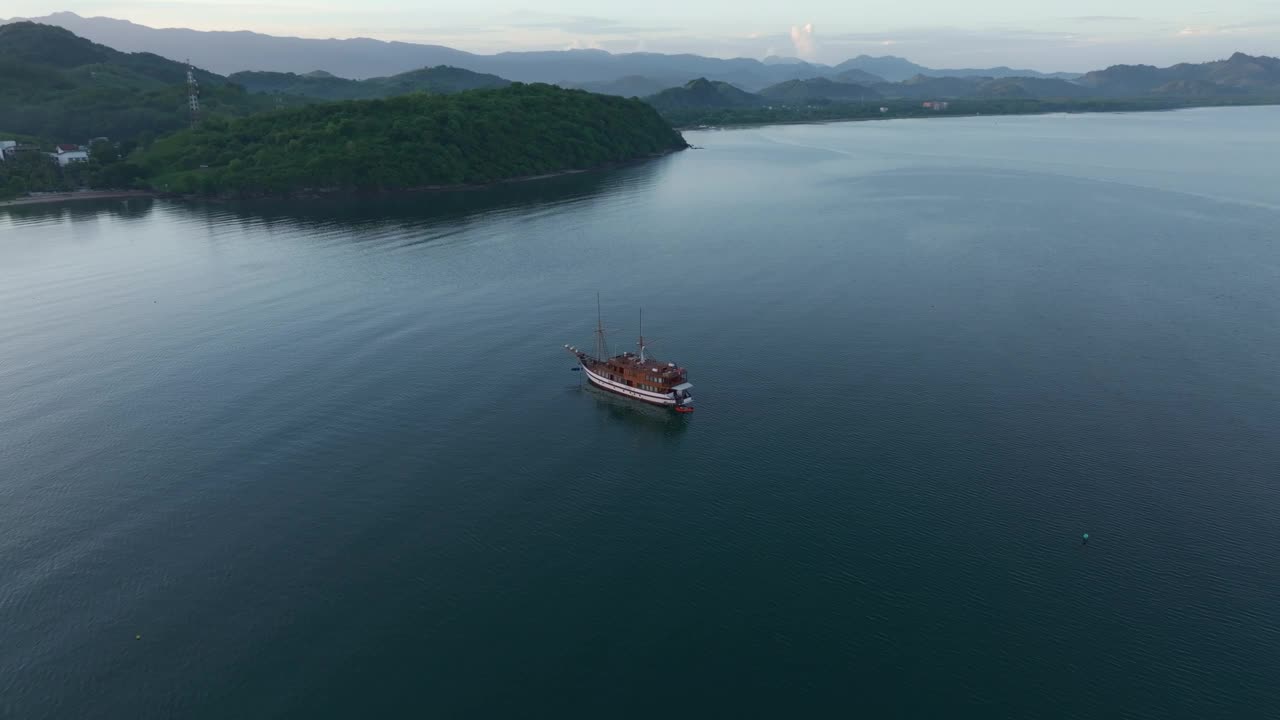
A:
x: 415, y: 140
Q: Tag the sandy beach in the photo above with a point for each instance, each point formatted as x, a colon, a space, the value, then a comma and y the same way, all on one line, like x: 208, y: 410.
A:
x: 42, y: 198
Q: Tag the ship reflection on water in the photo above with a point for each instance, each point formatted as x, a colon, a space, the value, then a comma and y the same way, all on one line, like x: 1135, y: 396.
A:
x: 638, y: 415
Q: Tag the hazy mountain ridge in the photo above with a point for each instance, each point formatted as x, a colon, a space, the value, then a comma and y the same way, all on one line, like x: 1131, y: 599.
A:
x: 321, y: 85
x: 1239, y: 73
x: 1239, y: 76
x: 1025, y: 87
x: 629, y: 86
x: 858, y: 76
x: 818, y: 89
x: 228, y: 52
x: 703, y: 93
x: 359, y: 58
x: 896, y: 69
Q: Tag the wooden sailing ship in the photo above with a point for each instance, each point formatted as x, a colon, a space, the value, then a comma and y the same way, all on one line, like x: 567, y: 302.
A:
x: 635, y: 375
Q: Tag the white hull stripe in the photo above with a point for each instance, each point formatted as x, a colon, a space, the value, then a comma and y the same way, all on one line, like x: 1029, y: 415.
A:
x: 623, y: 389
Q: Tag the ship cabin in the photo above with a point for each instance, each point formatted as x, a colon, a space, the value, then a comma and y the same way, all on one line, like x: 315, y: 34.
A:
x: 643, y: 374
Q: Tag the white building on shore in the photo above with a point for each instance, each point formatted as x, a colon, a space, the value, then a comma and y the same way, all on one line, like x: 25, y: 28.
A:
x: 68, y: 154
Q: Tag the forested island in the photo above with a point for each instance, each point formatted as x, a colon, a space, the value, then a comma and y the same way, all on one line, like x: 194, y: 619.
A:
x: 411, y: 141
x: 128, y: 117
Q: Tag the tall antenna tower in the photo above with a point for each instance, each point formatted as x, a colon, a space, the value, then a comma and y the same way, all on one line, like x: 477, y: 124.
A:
x: 193, y: 94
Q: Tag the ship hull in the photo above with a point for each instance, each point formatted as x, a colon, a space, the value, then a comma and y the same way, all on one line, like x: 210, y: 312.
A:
x: 624, y: 390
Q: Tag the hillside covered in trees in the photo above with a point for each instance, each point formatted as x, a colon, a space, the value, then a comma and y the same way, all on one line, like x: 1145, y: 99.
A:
x: 107, y: 167
x: 1238, y: 75
x: 61, y: 87
x: 416, y: 140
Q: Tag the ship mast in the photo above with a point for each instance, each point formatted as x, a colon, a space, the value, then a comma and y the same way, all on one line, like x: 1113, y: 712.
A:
x: 602, y: 350
x: 641, y: 343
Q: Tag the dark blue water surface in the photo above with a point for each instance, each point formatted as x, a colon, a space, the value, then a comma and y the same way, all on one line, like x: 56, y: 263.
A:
x: 327, y: 459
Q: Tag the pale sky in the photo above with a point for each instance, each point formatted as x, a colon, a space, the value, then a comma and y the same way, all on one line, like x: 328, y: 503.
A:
x: 1071, y: 35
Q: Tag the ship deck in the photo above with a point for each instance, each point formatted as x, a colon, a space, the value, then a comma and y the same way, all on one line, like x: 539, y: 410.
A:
x: 631, y: 361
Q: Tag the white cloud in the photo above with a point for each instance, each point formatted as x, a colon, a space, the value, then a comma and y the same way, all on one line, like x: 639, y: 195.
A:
x: 803, y: 40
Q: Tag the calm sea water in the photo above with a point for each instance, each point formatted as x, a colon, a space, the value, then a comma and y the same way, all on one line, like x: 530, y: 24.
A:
x: 328, y: 460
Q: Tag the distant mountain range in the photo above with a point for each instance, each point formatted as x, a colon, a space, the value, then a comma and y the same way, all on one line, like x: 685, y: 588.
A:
x: 1240, y: 75
x: 55, y: 84
x: 704, y: 94
x: 895, y: 69
x: 358, y: 58
x: 922, y: 87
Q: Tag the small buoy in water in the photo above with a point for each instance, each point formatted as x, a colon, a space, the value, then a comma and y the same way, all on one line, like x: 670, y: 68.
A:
x: 137, y: 637
x: 1086, y: 539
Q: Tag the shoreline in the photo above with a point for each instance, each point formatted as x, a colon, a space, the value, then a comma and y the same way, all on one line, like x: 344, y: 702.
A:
x: 316, y: 193
x: 48, y: 198
x: 939, y: 116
